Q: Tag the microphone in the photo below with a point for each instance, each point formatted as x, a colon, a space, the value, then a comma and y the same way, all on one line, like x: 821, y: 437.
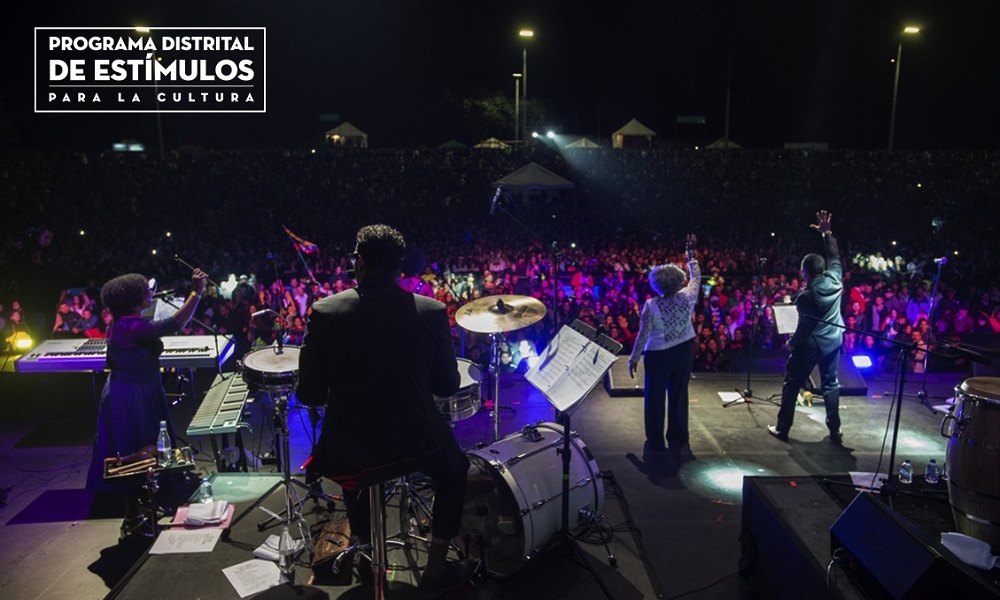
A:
x: 941, y: 261
x: 496, y: 200
x: 967, y: 353
x: 163, y: 294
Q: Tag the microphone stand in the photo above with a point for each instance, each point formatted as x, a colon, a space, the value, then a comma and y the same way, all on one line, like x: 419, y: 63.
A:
x: 922, y: 392
x: 746, y: 396
x: 556, y: 253
x: 905, y: 350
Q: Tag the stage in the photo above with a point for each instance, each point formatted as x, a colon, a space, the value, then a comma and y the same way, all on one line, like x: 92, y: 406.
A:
x: 676, y: 517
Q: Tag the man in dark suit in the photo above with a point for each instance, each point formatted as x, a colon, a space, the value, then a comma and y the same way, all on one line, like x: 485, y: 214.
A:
x: 818, y: 335
x: 375, y: 356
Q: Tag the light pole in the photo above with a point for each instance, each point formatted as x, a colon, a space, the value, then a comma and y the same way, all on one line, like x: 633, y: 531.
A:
x: 895, y: 83
x: 517, y: 106
x: 156, y: 92
x: 525, y: 33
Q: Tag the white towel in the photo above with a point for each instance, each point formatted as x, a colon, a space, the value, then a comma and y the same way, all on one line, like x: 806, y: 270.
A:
x: 269, y: 549
x: 973, y: 552
x: 206, y: 513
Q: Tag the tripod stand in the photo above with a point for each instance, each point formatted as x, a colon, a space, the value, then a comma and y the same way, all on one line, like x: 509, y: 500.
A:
x: 312, y: 488
x: 747, y: 396
x: 922, y: 392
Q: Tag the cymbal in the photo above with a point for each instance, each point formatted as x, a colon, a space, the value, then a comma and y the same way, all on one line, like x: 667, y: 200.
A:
x: 505, y: 312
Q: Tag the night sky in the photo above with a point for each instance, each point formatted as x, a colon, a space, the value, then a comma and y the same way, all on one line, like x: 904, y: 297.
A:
x: 802, y: 71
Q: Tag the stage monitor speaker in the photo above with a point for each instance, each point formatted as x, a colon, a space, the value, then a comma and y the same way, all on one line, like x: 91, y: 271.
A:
x: 619, y: 383
x: 894, y: 559
x: 851, y: 381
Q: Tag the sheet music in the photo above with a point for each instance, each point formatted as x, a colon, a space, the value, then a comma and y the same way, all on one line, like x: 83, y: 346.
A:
x: 786, y: 318
x: 569, y: 368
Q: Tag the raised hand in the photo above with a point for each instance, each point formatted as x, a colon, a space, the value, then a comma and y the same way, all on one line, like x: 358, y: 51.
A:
x: 823, y: 225
x: 689, y: 244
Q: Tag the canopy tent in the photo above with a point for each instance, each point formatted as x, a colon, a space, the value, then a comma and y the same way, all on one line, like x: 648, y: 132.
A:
x: 722, y: 143
x: 346, y: 134
x: 533, y: 176
x: 635, y: 130
x: 453, y: 143
x: 492, y: 144
x: 533, y: 180
x: 583, y: 143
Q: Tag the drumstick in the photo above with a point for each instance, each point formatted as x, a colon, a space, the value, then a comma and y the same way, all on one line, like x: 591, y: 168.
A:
x: 186, y: 264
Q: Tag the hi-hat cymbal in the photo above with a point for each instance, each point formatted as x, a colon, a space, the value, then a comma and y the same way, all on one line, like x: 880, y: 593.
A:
x: 505, y: 312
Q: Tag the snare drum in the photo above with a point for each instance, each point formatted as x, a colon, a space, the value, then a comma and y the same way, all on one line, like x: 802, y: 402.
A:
x: 513, y: 500
x: 269, y: 370
x: 467, y: 400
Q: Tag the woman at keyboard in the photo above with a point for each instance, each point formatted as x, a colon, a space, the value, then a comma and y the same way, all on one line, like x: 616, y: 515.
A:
x: 133, y: 401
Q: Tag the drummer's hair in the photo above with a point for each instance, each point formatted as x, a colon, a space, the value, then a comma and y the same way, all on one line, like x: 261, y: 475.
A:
x: 124, y: 293
x: 667, y: 280
x: 382, y: 247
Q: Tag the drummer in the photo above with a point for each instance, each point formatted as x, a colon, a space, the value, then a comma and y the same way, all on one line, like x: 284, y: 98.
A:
x: 375, y: 356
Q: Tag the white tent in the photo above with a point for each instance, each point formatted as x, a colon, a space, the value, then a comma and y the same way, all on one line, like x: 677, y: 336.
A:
x: 346, y: 134
x: 583, y: 143
x: 492, y: 144
x: 722, y: 143
x: 633, y: 129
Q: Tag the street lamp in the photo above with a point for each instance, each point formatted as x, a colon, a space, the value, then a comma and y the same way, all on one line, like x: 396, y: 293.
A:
x: 910, y: 30
x: 156, y: 92
x: 525, y: 33
x: 517, y: 106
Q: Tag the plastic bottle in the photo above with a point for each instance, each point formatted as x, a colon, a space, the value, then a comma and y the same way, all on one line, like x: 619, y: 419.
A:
x: 906, y: 472
x: 286, y: 552
x: 206, y: 494
x: 164, y: 452
x: 932, y: 474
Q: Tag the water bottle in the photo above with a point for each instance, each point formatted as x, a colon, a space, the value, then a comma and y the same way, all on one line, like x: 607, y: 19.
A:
x: 286, y: 552
x: 906, y: 472
x: 932, y: 474
x: 205, y: 491
x: 164, y: 452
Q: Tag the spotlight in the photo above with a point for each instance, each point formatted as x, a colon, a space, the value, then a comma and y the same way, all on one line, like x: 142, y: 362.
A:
x: 551, y: 135
x: 862, y: 362
x: 534, y: 134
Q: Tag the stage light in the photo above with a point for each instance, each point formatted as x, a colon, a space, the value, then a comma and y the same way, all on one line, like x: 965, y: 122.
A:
x: 168, y: 234
x: 534, y: 134
x: 862, y: 362
x: 154, y: 251
x: 20, y: 341
x: 82, y: 232
x: 551, y: 135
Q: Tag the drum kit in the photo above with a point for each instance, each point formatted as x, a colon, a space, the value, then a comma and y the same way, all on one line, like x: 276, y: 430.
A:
x: 514, y: 483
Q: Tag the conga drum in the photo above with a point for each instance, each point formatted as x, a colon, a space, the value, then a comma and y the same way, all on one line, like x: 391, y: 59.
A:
x: 973, y: 457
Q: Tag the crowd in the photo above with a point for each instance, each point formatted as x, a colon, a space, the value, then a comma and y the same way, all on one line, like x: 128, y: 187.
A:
x: 587, y: 251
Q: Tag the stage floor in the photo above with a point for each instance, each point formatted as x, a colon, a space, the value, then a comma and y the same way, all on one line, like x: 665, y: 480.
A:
x: 676, y: 517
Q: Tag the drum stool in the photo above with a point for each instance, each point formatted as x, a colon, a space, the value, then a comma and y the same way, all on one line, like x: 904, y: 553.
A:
x: 375, y: 479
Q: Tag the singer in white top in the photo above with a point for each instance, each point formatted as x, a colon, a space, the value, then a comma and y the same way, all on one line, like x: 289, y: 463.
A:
x: 664, y: 342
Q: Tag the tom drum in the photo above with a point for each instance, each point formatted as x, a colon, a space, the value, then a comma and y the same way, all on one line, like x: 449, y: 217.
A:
x: 467, y: 400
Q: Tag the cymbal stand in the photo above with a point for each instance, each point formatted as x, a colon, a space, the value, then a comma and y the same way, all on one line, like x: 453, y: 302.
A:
x: 495, y: 374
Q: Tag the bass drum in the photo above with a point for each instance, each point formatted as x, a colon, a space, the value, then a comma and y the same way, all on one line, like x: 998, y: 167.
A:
x: 973, y: 459
x: 269, y: 370
x: 513, y: 502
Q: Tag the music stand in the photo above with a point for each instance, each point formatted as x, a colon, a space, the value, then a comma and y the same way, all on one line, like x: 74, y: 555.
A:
x: 786, y: 318
x: 569, y: 368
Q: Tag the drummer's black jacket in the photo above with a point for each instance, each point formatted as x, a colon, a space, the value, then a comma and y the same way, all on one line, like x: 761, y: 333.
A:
x: 376, y: 356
